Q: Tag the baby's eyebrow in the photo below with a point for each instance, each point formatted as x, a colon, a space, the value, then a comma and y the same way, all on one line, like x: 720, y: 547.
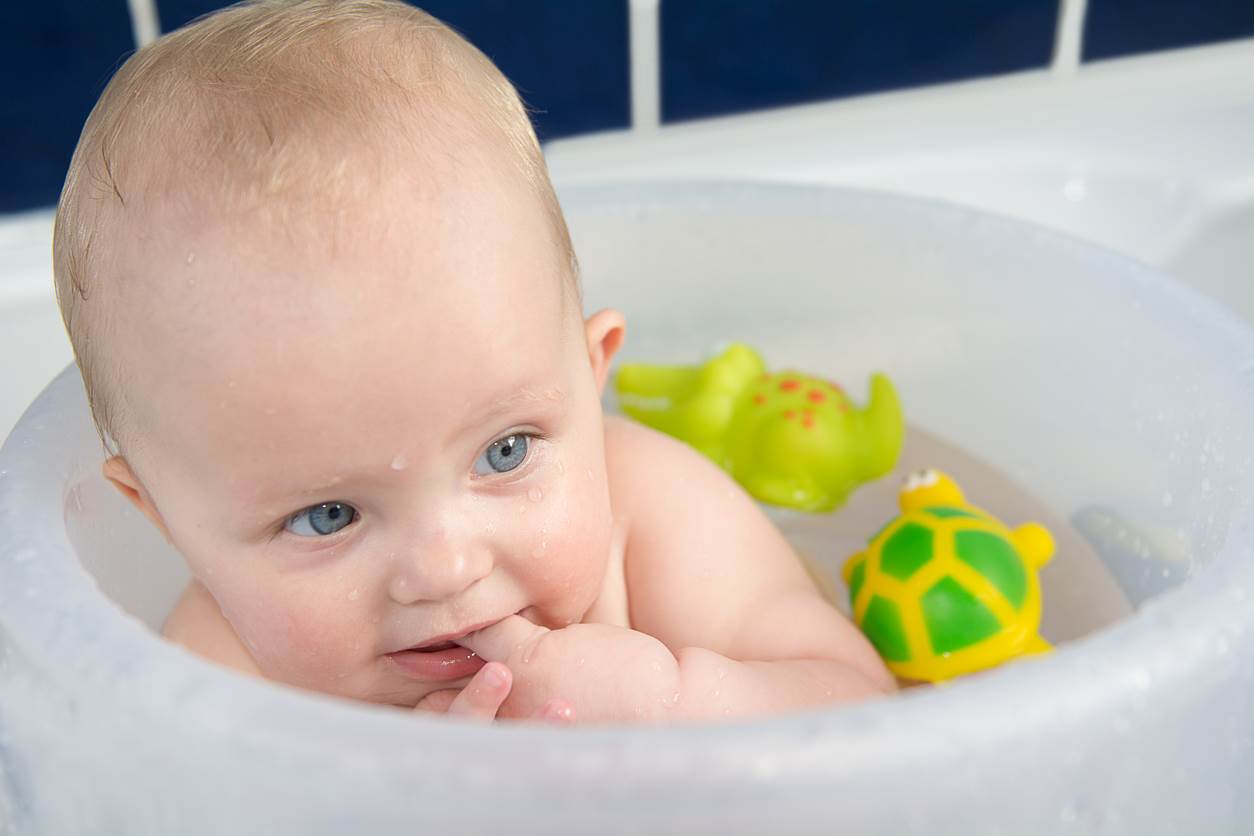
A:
x: 518, y: 398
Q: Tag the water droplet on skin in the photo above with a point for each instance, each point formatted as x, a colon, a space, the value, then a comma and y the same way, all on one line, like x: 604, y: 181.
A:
x: 579, y: 662
x: 561, y: 468
x: 191, y: 258
x: 399, y: 462
x: 230, y: 384
x: 535, y: 494
x: 354, y: 595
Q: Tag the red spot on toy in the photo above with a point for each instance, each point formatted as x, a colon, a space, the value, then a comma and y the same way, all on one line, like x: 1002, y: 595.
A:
x: 816, y: 396
x: 789, y: 415
x: 759, y: 399
x: 789, y: 385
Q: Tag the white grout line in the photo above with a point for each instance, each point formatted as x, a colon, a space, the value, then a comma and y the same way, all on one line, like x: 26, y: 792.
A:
x: 1069, y: 37
x: 144, y: 22
x: 645, y: 58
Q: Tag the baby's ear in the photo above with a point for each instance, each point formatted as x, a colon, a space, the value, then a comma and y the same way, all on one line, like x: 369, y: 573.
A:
x: 117, y: 471
x: 605, y: 331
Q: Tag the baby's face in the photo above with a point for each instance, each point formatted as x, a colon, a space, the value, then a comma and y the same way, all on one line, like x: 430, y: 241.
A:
x: 380, y: 437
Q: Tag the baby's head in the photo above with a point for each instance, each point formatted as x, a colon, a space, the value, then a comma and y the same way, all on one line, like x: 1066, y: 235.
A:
x: 325, y: 306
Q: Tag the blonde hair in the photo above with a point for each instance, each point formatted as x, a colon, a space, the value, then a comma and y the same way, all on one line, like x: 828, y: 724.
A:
x: 251, y: 106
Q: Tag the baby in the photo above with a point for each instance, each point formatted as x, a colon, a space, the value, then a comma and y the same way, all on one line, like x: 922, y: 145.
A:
x: 326, y: 310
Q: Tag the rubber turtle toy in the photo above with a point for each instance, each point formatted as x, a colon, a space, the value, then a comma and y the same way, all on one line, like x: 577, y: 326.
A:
x: 788, y: 438
x: 946, y: 589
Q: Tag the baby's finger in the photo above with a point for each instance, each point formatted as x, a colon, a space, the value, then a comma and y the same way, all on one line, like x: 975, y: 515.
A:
x: 484, y: 693
x: 501, y: 639
x: 437, y: 702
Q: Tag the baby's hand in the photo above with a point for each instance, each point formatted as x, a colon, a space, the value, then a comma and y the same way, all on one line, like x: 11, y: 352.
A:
x: 609, y: 674
x: 483, y: 695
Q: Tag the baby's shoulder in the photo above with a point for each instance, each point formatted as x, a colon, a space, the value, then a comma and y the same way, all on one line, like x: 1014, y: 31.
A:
x: 632, y: 448
x: 646, y: 467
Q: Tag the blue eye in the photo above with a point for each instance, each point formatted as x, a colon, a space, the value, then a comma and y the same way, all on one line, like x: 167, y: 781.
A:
x: 321, y: 520
x: 503, y: 455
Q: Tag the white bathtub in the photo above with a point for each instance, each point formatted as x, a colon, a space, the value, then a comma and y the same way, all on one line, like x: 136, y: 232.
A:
x: 1078, y: 372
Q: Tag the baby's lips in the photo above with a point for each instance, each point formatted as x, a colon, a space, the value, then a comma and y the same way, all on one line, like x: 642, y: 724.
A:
x: 497, y: 642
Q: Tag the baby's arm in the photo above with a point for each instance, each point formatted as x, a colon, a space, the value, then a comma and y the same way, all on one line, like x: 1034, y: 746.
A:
x: 712, y: 578
x: 727, y: 623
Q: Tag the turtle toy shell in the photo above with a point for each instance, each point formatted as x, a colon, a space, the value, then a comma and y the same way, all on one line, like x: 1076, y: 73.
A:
x: 946, y: 589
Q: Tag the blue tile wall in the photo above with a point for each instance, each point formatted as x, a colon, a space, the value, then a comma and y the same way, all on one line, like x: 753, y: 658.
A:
x: 1114, y: 28
x: 55, y: 58
x: 725, y: 56
x: 568, y: 58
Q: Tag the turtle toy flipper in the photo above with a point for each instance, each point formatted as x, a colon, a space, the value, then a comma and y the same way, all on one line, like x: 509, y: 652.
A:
x: 789, y: 438
x: 946, y: 589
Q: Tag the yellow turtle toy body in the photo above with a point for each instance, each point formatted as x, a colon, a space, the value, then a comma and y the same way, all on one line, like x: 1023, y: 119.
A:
x: 946, y: 589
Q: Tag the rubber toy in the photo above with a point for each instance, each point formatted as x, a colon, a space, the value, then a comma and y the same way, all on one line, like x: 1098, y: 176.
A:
x: 946, y: 589
x: 789, y: 438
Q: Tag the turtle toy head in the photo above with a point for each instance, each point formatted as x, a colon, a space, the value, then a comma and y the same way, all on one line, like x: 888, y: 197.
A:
x: 929, y: 487
x: 945, y: 588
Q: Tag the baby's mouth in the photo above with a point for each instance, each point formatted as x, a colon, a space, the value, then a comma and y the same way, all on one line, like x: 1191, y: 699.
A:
x: 447, y: 641
x: 439, y: 660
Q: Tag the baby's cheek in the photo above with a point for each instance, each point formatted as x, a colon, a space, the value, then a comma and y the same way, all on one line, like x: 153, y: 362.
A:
x: 572, y: 547
x: 290, y: 642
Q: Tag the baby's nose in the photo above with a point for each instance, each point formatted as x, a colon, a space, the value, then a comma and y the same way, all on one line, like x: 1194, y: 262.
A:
x: 438, y: 567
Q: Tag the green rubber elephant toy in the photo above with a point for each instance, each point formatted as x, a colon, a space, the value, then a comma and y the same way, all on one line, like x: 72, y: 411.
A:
x: 788, y: 438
